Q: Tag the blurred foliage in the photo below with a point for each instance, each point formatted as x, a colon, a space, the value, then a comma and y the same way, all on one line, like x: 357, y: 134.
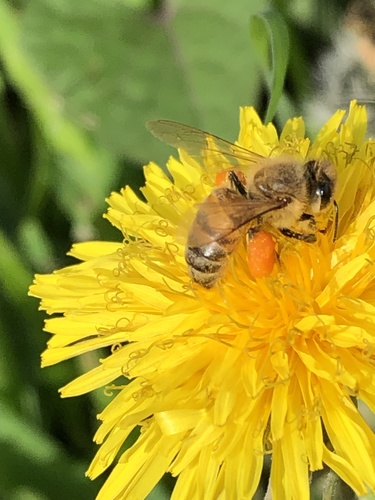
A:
x: 78, y: 80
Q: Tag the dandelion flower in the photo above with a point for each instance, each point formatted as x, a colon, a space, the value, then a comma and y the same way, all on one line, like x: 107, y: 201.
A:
x: 220, y: 378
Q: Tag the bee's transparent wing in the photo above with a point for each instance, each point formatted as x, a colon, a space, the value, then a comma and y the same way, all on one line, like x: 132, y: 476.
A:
x: 197, y: 143
x: 238, y: 214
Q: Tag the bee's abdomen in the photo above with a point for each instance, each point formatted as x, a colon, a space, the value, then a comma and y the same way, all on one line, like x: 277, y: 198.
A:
x: 206, y: 262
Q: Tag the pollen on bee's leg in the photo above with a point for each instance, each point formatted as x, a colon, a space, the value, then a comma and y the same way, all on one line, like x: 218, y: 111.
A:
x: 223, y: 177
x: 260, y: 253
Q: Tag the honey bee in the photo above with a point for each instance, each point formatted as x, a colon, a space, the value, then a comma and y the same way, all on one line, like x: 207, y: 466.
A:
x: 257, y: 192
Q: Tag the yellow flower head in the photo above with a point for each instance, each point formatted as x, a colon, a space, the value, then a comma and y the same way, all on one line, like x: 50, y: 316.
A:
x: 221, y: 377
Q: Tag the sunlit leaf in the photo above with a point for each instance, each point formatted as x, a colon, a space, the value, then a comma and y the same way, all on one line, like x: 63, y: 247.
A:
x: 269, y: 35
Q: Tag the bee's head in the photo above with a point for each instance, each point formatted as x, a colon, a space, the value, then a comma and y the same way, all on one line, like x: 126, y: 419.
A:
x: 321, y: 179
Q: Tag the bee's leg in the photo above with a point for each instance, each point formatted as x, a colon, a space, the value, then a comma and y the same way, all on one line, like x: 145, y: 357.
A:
x: 251, y: 232
x: 260, y: 252
x: 308, y: 237
x: 250, y: 235
x: 336, y: 221
x: 309, y: 225
x: 237, y: 184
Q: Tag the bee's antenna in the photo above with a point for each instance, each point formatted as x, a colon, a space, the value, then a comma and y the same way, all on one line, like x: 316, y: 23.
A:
x: 336, y: 208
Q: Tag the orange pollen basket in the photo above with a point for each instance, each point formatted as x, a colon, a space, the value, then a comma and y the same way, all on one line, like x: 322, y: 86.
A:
x: 260, y: 254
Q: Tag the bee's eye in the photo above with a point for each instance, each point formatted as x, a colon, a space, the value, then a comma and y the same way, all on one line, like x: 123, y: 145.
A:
x: 324, y: 191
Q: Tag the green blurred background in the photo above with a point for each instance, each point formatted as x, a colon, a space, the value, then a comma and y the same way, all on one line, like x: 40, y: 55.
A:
x: 78, y: 81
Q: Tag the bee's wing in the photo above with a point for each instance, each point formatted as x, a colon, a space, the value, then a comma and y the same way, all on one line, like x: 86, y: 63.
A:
x: 222, y: 219
x: 197, y: 142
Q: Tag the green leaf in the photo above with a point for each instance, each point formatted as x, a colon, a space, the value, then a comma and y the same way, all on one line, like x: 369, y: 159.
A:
x: 35, y: 463
x: 15, y: 278
x: 32, y: 236
x: 270, y: 37
x: 212, y: 46
x: 10, y: 381
x: 160, y: 492
x: 90, y: 168
x: 369, y: 496
x: 334, y: 487
x: 112, y: 67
